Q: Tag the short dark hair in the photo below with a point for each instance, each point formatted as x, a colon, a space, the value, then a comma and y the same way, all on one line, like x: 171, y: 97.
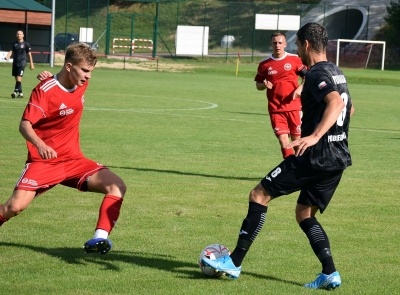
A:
x: 315, y: 34
x: 276, y: 34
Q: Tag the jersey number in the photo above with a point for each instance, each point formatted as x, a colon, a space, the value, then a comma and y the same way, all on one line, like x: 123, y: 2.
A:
x: 342, y: 115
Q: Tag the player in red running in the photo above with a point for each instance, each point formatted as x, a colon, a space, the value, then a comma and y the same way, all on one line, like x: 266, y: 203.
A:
x: 50, y: 125
x: 279, y: 74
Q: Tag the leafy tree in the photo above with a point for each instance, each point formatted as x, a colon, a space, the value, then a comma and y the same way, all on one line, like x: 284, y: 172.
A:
x: 391, y: 31
x: 393, y: 18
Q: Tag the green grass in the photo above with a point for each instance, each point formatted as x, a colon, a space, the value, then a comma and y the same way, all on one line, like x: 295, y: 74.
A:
x: 190, y: 147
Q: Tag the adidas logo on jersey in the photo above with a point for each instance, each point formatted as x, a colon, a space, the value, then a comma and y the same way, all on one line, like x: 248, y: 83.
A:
x: 271, y: 71
x: 62, y: 106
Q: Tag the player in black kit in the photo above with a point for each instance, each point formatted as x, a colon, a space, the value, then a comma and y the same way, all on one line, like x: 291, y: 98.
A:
x: 315, y: 170
x: 19, y: 50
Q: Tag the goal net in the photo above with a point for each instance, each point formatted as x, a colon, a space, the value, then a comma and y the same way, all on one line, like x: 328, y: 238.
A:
x: 357, y: 53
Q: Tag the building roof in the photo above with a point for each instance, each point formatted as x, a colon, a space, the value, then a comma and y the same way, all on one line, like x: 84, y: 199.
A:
x: 29, y: 5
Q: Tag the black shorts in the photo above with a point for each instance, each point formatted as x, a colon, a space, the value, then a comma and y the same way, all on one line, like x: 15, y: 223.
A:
x: 316, y: 187
x: 18, y: 71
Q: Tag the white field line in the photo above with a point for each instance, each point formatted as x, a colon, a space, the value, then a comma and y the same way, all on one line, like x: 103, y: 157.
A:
x: 163, y: 112
x: 211, y: 105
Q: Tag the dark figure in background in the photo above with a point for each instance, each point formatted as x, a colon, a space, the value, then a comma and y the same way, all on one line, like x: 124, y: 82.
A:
x: 20, y: 49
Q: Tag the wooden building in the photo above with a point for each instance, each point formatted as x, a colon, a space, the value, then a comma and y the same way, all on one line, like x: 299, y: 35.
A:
x: 33, y: 19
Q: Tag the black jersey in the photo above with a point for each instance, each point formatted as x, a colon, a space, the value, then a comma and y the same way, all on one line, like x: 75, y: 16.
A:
x: 331, y: 151
x: 20, y: 50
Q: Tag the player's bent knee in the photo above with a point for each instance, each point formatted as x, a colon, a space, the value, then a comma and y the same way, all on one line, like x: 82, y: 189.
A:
x: 259, y: 195
x: 122, y: 188
x: 13, y: 210
x: 117, y: 188
x: 299, y: 219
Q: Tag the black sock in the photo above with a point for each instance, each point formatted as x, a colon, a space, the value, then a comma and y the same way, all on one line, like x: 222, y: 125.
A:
x: 251, y: 226
x: 18, y: 86
x: 319, y: 243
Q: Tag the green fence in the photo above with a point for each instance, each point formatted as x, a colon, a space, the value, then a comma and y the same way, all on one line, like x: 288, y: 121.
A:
x: 73, y: 15
x: 232, y: 25
x: 129, y: 33
x: 149, y: 28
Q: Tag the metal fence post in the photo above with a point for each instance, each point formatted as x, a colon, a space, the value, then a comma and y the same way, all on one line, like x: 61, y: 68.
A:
x: 254, y: 32
x: 132, y: 35
x: 66, y: 21
x: 204, y: 27
x: 87, y: 15
x: 108, y: 35
x: 227, y: 31
x: 156, y: 30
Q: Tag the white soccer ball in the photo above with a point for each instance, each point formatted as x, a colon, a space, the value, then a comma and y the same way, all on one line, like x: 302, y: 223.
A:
x: 213, y: 252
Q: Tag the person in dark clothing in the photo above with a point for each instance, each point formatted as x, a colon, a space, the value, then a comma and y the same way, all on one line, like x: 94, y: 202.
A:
x: 321, y: 156
x: 20, y: 49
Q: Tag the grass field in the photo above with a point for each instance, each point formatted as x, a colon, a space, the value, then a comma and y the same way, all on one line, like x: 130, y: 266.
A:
x: 190, y: 147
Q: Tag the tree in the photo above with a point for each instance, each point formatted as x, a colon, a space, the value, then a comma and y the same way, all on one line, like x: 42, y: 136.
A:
x: 391, y: 32
x: 393, y: 18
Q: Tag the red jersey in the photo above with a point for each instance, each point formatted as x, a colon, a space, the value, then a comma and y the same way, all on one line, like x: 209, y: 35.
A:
x: 283, y: 74
x: 55, y: 113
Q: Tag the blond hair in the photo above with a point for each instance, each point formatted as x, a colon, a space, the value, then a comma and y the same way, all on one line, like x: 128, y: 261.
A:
x: 77, y: 53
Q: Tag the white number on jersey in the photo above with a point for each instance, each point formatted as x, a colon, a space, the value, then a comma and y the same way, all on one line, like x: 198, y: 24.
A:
x: 342, y: 115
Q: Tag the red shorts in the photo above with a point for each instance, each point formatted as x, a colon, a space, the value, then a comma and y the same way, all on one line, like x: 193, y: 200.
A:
x: 42, y: 176
x: 286, y: 123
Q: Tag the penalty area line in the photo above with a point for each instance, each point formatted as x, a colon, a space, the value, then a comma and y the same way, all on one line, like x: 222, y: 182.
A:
x: 211, y: 106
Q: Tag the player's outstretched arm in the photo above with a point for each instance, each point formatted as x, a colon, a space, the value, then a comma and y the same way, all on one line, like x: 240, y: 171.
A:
x: 334, y: 106
x: 8, y: 55
x: 260, y: 86
x: 264, y: 85
x: 46, y: 152
x: 298, y: 90
x: 44, y: 75
x: 31, y: 61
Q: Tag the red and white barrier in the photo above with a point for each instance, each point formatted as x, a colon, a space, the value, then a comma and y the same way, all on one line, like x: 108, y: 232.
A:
x: 132, y: 46
x: 121, y: 46
x: 142, y: 40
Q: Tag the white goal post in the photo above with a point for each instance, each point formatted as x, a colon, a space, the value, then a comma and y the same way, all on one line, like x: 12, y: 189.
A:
x: 362, y: 41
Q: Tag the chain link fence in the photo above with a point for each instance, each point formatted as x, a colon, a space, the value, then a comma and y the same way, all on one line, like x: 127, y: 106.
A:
x: 150, y: 29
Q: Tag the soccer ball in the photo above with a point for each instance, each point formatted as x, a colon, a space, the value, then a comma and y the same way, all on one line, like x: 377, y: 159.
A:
x: 213, y: 252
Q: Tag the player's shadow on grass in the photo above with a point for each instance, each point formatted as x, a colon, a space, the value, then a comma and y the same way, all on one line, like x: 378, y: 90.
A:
x: 108, y: 261
x: 272, y: 278
x: 188, y: 173
x: 152, y: 260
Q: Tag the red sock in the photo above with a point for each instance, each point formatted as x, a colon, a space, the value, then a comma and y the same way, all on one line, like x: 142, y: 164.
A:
x: 109, y: 212
x: 287, y: 152
x: 2, y: 220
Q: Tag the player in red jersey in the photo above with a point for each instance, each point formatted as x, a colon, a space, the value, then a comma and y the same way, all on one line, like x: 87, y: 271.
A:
x: 50, y: 125
x: 278, y: 74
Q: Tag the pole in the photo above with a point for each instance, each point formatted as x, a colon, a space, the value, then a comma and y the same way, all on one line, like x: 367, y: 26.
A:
x: 53, y: 14
x: 155, y: 41
x: 204, y: 28
x: 237, y: 64
x: 227, y: 33
x: 369, y: 54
